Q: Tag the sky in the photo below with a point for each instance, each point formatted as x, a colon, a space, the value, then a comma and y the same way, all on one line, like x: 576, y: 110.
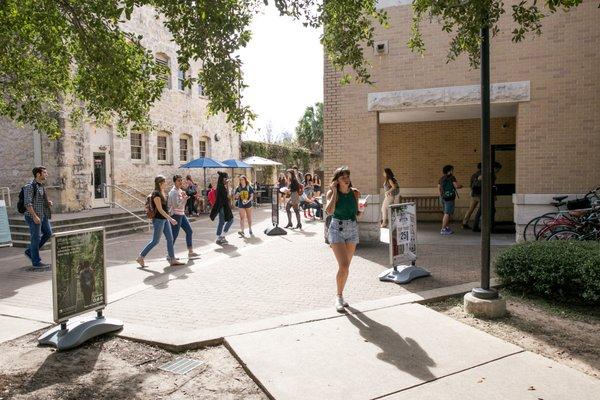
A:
x: 283, y: 67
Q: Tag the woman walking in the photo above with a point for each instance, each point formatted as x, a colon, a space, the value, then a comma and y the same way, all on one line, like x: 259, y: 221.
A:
x: 161, y: 223
x: 342, y: 204
x: 244, y: 195
x: 281, y: 184
x: 222, y: 208
x: 295, y: 190
x: 391, y: 189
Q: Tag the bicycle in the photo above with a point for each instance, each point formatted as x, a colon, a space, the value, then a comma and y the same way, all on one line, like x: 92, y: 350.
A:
x: 567, y: 217
x: 587, y: 229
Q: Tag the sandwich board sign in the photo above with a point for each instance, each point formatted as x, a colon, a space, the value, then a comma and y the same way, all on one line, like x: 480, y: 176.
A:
x: 5, y: 238
x: 78, y: 287
x: 402, y: 238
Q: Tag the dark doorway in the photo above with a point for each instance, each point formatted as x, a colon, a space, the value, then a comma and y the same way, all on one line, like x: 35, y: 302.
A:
x: 99, y: 174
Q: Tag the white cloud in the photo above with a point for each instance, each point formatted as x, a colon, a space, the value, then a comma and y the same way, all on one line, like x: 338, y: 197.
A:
x: 283, y: 66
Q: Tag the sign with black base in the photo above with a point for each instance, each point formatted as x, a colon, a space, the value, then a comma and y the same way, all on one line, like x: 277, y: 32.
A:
x: 5, y: 238
x: 78, y: 287
x: 402, y: 237
x: 275, y: 230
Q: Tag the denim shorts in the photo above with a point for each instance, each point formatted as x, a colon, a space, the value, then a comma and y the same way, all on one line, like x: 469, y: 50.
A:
x: 342, y: 231
x: 448, y: 206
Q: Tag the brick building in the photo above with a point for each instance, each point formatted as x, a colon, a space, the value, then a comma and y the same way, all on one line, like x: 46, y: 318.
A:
x: 86, y: 157
x: 422, y: 113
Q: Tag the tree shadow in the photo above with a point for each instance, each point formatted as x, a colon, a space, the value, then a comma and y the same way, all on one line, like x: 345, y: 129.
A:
x: 403, y: 353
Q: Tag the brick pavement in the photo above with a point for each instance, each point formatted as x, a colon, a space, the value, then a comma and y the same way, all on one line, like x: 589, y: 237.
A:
x: 247, y: 280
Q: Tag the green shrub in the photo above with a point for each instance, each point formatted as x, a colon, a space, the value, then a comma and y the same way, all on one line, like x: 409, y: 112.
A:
x: 567, y: 271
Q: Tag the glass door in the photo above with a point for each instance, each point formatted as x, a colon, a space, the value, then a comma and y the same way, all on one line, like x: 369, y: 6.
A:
x: 99, y: 179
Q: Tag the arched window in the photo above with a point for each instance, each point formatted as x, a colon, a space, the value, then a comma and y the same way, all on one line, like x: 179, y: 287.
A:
x: 185, y: 148
x: 163, y: 59
x: 164, y: 152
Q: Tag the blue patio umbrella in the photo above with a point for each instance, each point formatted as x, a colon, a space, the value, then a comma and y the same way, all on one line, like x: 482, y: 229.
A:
x: 236, y: 164
x: 204, y: 163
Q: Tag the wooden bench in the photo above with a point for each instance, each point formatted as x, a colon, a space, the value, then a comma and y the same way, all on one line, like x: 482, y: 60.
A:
x: 428, y: 204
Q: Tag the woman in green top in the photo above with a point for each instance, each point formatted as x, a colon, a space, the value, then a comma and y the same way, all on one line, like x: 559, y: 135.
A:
x: 342, y: 204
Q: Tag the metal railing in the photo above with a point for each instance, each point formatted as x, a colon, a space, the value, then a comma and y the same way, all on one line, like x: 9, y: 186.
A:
x: 132, y: 188
x: 112, y: 203
x: 5, y: 192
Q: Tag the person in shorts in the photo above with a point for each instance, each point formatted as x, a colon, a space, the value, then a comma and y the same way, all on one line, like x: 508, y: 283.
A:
x: 447, y: 188
x: 244, y: 195
x: 342, y: 205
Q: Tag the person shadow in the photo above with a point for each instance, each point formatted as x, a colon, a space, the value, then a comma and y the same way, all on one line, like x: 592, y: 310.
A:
x: 228, y: 249
x: 160, y: 280
x: 403, y: 353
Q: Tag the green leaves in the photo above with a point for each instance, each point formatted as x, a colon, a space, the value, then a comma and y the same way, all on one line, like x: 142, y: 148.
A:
x: 309, y: 131
x: 463, y: 20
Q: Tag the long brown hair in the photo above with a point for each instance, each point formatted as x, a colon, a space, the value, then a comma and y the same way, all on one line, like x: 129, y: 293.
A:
x: 339, y: 172
x: 245, y: 180
x: 157, y: 181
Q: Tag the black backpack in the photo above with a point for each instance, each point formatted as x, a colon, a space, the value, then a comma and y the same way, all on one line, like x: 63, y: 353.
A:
x: 21, y: 203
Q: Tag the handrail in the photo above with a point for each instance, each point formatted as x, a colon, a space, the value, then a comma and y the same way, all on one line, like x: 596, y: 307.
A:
x: 132, y: 188
x: 112, y: 203
x: 105, y: 186
x: 5, y: 190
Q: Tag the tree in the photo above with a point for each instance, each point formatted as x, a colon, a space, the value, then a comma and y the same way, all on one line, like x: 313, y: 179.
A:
x: 73, y: 55
x: 309, y: 131
x: 60, y: 55
x: 463, y: 19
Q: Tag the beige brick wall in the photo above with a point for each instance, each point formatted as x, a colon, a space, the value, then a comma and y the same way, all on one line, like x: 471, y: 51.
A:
x: 69, y: 159
x: 417, y: 151
x: 557, y: 132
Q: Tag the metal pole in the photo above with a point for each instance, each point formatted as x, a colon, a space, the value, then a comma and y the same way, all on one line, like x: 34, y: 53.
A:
x: 484, y: 291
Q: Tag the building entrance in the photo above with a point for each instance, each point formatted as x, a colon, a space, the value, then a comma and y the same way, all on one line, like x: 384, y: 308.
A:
x: 99, y: 179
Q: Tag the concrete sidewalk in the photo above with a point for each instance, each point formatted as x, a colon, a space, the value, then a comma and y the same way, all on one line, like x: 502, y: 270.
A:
x: 401, y: 352
x: 233, y: 288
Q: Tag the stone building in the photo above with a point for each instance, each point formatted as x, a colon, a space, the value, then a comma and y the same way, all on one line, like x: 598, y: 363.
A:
x: 422, y: 113
x: 85, y: 158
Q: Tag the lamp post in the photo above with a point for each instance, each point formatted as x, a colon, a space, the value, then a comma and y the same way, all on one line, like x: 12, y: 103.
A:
x: 484, y: 292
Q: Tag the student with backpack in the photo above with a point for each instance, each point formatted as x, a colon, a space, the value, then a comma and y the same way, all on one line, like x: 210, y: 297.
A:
x: 447, y: 188
x: 156, y: 209
x: 34, y: 205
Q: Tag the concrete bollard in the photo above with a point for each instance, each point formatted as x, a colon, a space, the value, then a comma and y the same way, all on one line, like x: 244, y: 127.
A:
x: 480, y: 308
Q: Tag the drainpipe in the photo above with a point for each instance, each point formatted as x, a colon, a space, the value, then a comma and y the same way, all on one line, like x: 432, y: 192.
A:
x: 37, y: 148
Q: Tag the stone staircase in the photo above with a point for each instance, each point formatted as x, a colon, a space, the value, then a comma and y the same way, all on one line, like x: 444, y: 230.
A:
x: 115, y: 221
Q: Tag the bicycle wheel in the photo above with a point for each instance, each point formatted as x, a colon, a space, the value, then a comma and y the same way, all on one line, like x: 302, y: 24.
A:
x: 565, y: 234
x: 528, y: 232
x: 542, y: 222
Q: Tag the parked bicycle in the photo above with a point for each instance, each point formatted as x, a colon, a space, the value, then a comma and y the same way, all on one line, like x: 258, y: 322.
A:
x: 588, y: 228
x: 541, y: 227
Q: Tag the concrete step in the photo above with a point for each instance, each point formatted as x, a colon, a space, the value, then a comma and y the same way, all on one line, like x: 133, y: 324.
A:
x: 56, y: 222
x: 91, y: 223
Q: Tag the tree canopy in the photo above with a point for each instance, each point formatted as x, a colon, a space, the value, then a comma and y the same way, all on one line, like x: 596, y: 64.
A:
x: 73, y: 56
x: 463, y: 19
x: 309, y: 131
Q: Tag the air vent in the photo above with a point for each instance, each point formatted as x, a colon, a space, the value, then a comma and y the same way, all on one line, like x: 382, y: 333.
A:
x: 381, y: 47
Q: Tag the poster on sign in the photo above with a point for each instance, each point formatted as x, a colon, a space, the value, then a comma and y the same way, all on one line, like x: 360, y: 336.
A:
x: 403, y: 234
x: 79, y: 273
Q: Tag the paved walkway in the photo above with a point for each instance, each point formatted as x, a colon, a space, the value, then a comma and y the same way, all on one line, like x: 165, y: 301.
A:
x: 401, y: 352
x: 248, y: 280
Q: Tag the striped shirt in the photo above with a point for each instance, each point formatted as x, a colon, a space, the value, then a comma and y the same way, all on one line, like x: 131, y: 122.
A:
x: 37, y: 202
x: 175, y: 202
